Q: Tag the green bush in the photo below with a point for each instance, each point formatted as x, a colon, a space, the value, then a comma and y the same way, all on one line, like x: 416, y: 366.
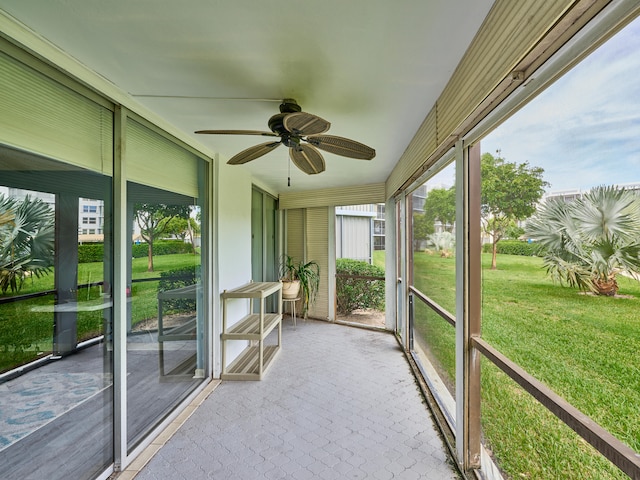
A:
x: 161, y: 247
x: 172, y: 279
x: 355, y: 293
x: 90, y: 252
x: 515, y: 247
x: 94, y: 252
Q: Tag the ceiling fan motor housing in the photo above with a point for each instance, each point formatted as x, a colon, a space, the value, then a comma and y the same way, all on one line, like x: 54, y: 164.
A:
x: 289, y: 105
x: 276, y: 122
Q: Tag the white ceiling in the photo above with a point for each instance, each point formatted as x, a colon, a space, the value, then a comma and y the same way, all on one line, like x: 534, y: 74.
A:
x: 373, y: 68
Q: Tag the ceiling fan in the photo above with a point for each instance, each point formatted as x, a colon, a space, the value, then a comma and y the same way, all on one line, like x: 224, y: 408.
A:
x: 294, y: 127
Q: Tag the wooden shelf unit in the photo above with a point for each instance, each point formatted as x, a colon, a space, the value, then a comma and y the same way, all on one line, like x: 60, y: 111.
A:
x: 253, y: 362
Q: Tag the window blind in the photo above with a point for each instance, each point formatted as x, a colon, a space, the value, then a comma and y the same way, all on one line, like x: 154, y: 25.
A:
x: 317, y: 226
x: 42, y: 116
x: 353, y: 195
x: 156, y: 161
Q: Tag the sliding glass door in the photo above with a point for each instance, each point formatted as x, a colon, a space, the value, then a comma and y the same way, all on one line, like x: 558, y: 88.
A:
x: 56, y: 390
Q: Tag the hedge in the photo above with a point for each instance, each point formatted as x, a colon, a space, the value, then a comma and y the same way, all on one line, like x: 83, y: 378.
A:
x: 515, y: 247
x: 162, y: 247
x: 94, y: 252
x: 356, y: 293
x: 90, y: 252
x: 172, y: 279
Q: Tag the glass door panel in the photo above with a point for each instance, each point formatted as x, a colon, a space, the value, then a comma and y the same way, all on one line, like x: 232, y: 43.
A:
x: 56, y: 395
x: 165, y: 340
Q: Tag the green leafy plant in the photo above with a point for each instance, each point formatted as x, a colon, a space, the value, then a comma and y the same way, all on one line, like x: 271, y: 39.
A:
x: 308, y: 273
x: 442, y: 242
x: 515, y: 247
x: 591, y: 240
x: 177, y: 278
x: 26, y: 240
x: 352, y: 292
x: 510, y: 192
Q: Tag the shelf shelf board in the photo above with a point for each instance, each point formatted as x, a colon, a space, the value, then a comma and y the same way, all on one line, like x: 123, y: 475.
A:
x: 253, y: 290
x: 247, y: 365
x: 249, y: 327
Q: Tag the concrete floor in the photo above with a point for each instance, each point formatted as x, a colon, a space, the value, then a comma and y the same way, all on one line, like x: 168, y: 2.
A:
x: 339, y: 402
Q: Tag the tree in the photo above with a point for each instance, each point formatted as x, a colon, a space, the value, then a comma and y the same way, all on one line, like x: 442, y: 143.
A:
x: 591, y: 240
x: 440, y: 205
x: 177, y: 226
x: 193, y: 229
x: 153, y: 220
x: 26, y: 240
x: 183, y: 228
x: 510, y: 193
x: 422, y: 228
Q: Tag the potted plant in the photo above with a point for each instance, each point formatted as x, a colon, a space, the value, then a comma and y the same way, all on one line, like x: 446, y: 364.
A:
x: 288, y: 277
x: 305, y: 275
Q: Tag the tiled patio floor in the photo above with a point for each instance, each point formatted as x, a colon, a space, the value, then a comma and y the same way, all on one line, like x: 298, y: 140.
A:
x: 338, y: 403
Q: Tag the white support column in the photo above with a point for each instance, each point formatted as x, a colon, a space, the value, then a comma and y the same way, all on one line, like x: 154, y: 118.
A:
x: 119, y: 292
x: 391, y: 276
x: 331, y: 233
x: 400, y: 267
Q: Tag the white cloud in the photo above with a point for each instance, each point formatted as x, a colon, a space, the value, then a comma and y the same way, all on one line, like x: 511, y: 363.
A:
x: 585, y: 129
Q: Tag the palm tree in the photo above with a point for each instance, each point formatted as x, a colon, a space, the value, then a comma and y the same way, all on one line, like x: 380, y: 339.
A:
x: 26, y: 240
x: 591, y: 240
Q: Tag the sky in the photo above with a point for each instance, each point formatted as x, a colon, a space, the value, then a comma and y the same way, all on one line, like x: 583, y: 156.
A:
x: 584, y: 130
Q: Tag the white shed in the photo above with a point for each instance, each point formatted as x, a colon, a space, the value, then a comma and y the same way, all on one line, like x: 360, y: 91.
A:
x: 354, y: 232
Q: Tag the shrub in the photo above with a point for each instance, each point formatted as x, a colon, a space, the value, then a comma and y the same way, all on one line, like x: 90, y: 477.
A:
x: 94, y: 252
x: 516, y: 247
x: 90, y: 252
x: 161, y: 247
x: 355, y: 293
x: 172, y: 279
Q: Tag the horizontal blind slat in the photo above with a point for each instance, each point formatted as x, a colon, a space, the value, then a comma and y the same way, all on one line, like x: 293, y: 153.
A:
x: 158, y: 162
x: 42, y: 116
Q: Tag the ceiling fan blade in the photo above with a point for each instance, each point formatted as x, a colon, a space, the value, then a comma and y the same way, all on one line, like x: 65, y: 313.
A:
x: 252, y: 153
x: 302, y: 124
x: 307, y: 159
x: 342, y: 146
x: 238, y: 132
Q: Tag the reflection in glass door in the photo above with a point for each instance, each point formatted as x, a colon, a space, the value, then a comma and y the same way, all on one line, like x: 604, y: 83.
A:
x: 56, y: 395
x: 165, y: 349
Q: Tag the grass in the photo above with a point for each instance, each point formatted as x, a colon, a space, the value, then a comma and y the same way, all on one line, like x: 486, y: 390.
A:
x: 26, y: 334
x: 93, y: 272
x: 583, y: 347
x: 379, y: 258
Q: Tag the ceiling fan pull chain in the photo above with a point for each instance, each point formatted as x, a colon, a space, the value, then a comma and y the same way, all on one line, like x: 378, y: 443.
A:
x: 289, y: 174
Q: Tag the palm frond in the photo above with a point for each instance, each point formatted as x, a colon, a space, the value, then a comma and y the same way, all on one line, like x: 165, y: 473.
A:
x: 590, y: 240
x: 26, y: 240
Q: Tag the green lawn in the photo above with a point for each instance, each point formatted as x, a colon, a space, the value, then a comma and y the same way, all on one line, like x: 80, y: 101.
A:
x: 93, y: 272
x: 378, y: 258
x: 583, y: 347
x: 26, y: 333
